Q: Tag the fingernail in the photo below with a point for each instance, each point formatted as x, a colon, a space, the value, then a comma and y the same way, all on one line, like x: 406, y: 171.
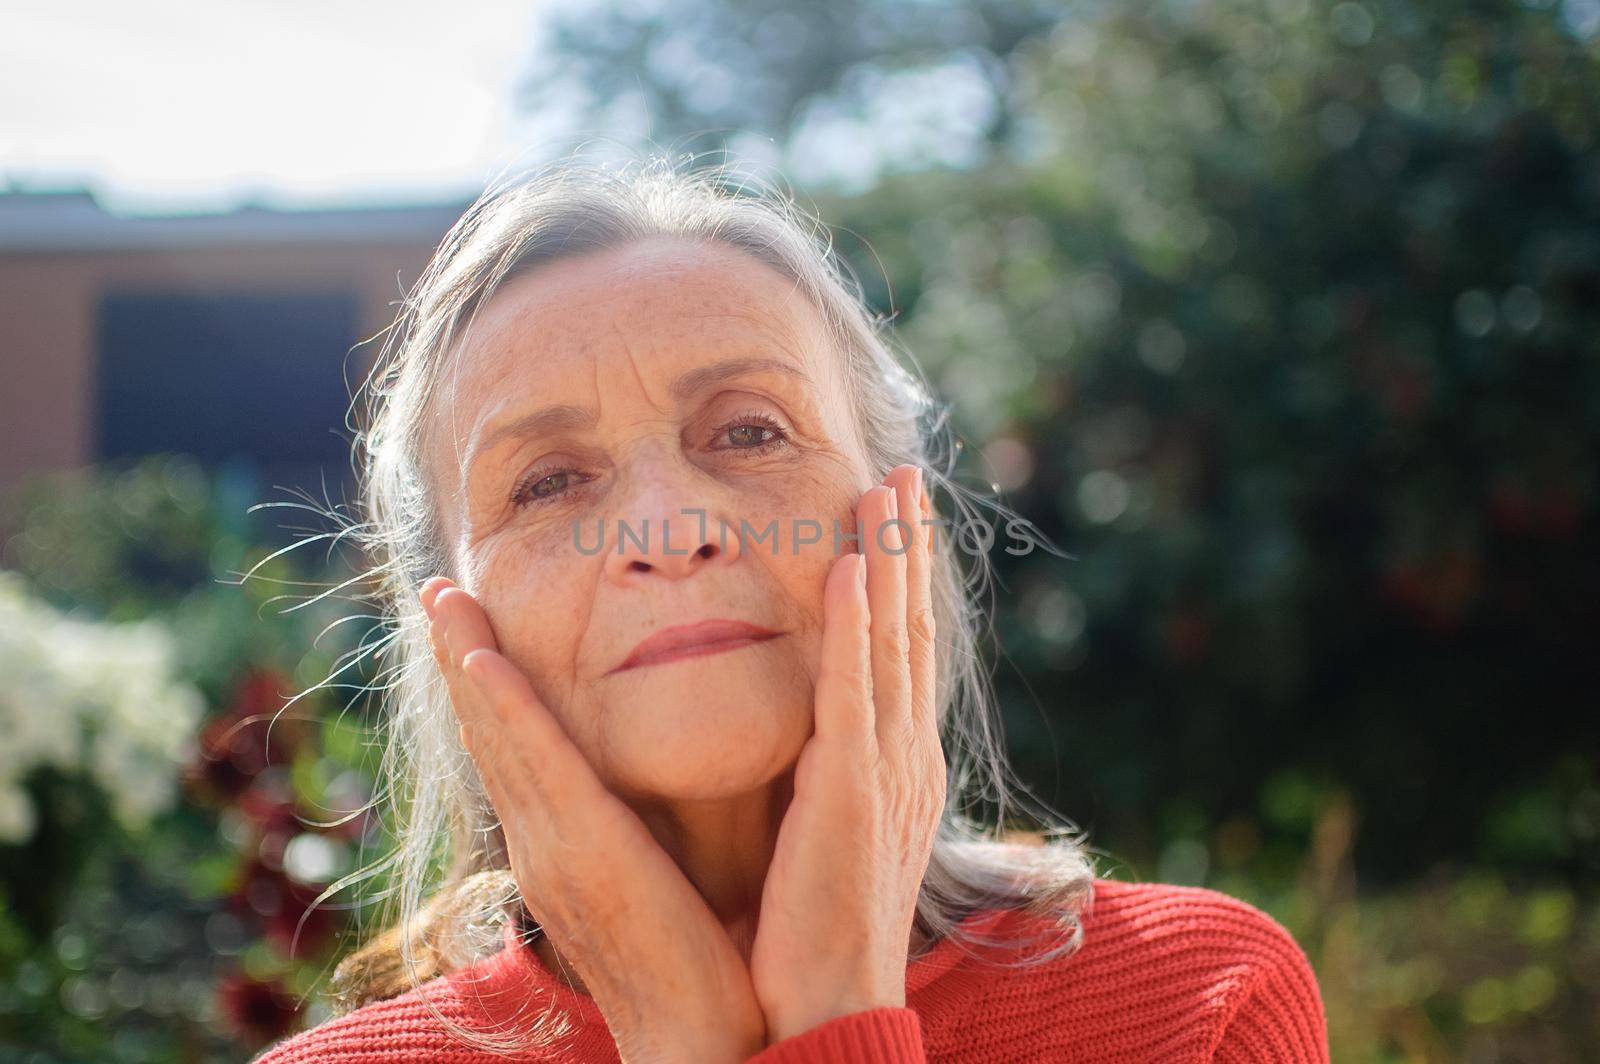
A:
x: 894, y: 503
x: 861, y: 570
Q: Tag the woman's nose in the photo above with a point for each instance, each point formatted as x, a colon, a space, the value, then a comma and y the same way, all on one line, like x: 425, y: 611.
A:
x: 668, y: 541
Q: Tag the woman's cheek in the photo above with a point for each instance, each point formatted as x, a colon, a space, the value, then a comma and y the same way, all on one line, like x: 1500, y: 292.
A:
x: 812, y: 515
x: 796, y: 512
x: 531, y: 577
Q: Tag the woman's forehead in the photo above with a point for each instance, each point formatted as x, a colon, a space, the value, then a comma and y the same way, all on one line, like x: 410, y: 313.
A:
x: 659, y: 310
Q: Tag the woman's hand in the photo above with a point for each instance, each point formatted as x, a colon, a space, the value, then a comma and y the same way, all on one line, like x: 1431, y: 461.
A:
x: 840, y: 895
x: 657, y: 962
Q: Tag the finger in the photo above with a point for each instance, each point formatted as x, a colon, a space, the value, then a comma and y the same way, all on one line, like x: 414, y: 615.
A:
x: 553, y: 807
x: 886, y: 601
x: 482, y: 733
x: 467, y: 625
x: 534, y: 742
x: 519, y: 803
x: 551, y: 800
x: 844, y: 710
x: 478, y: 730
x: 430, y: 590
x: 921, y: 630
x: 542, y: 748
x: 457, y: 631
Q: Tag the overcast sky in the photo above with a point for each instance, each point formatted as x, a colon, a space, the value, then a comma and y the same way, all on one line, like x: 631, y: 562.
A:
x: 182, y: 105
x: 161, y: 104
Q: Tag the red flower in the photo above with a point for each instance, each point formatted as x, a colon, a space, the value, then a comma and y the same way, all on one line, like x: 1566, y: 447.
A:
x: 1436, y: 592
x: 258, y: 1011
x: 287, y: 911
x: 1188, y: 634
x: 269, y: 803
x: 239, y: 743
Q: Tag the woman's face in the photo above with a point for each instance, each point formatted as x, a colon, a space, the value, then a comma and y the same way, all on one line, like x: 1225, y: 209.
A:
x: 602, y: 399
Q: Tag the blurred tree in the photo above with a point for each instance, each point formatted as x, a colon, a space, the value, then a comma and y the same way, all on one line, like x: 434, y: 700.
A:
x: 938, y: 71
x: 1282, y: 315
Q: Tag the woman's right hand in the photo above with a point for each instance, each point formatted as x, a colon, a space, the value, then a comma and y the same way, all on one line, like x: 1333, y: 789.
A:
x: 660, y: 966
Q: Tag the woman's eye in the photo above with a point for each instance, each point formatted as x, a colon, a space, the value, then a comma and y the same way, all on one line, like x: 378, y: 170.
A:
x: 542, y: 485
x: 753, y: 432
x: 748, y: 435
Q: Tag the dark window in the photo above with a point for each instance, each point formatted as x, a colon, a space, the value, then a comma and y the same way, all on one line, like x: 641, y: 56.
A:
x: 242, y: 381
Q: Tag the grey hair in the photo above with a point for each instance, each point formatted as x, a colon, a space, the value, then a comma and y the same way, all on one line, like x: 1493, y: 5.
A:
x: 448, y: 872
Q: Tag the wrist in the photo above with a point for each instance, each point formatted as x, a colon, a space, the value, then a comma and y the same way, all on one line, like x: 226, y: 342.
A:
x: 799, y: 1018
x: 672, y: 1033
x: 689, y: 1046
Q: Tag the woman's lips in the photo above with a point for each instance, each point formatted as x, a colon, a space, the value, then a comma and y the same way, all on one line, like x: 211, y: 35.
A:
x: 693, y: 640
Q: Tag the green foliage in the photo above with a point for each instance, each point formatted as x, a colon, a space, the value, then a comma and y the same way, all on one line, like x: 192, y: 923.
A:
x: 1284, y: 325
x: 202, y: 935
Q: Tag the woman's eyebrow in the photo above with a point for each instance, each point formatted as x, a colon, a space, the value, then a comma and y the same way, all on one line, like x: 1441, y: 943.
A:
x: 701, y: 376
x: 565, y: 417
x: 550, y: 419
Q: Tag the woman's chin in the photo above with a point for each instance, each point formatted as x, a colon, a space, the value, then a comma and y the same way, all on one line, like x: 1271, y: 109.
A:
x: 690, y: 731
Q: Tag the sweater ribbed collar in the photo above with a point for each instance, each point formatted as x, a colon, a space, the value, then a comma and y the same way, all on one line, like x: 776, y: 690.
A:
x: 512, y: 988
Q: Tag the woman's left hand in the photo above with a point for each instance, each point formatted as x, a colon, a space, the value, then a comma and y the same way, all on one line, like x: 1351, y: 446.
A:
x: 840, y: 895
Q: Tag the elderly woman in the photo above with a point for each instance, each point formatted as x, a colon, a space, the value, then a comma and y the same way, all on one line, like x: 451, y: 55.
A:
x: 687, y: 703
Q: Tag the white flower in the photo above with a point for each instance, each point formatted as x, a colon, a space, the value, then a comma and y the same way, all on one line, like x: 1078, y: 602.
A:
x: 89, y: 697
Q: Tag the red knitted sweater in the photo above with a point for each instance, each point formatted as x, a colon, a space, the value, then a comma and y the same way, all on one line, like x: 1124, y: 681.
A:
x: 1165, y: 973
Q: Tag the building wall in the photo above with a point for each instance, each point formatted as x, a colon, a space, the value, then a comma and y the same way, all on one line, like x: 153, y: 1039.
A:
x: 49, y: 329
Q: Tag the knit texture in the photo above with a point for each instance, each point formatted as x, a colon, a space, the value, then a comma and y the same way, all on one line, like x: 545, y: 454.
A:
x: 1165, y: 973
